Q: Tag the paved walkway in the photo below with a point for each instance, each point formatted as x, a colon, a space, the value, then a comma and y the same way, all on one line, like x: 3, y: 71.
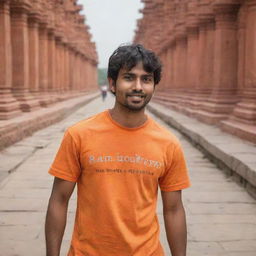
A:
x: 221, y: 216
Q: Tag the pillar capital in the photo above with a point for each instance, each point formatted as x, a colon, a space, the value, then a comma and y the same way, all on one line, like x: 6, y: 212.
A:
x: 51, y: 34
x: 5, y: 1
x: 5, y: 6
x: 226, y: 14
x: 192, y: 30
x: 192, y: 20
x: 251, y: 4
x: 42, y: 30
x: 226, y: 7
x: 205, y: 13
x: 34, y: 17
x: 180, y: 32
x: 18, y: 6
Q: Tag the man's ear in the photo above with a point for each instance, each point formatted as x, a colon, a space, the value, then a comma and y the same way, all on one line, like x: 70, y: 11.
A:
x: 112, y: 85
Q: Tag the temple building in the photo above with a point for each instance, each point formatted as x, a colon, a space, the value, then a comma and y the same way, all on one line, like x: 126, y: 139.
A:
x: 46, y: 55
x: 208, y: 51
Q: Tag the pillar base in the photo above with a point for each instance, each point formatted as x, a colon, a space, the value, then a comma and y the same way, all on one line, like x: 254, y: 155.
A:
x: 208, y: 117
x: 162, y: 98
x: 211, y: 109
x: 246, y: 112
x: 244, y: 131
x: 169, y: 98
x: 242, y: 122
x: 217, y: 107
x: 9, y: 106
x: 26, y: 100
x: 64, y: 96
x: 46, y: 99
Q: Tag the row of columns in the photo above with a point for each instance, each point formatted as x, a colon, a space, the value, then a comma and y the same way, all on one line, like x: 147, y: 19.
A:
x: 46, y: 54
x: 208, y: 50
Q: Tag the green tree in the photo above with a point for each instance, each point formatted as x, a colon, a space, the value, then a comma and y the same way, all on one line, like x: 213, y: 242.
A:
x: 102, y: 76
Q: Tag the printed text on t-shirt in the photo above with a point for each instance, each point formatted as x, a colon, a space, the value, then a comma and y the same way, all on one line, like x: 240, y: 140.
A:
x: 137, y: 159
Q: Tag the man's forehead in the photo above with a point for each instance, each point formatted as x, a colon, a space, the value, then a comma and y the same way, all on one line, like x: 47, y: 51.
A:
x: 137, y: 68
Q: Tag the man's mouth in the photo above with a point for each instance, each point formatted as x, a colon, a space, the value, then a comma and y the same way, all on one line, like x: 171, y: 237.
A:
x: 136, y: 97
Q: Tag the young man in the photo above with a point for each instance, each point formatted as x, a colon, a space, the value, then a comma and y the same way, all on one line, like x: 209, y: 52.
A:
x: 117, y: 159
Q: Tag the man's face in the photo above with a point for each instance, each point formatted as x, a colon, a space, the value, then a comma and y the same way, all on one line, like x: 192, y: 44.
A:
x: 133, y: 88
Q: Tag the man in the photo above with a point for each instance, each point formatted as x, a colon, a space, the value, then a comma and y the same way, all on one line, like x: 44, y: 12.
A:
x: 104, y: 91
x: 117, y: 159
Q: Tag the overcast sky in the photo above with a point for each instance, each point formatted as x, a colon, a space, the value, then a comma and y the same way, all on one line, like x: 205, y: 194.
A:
x: 112, y: 23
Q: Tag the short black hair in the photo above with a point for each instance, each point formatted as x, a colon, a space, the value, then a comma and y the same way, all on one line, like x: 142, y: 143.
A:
x: 128, y: 56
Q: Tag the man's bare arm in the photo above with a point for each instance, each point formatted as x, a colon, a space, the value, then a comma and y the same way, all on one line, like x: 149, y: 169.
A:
x: 56, y: 215
x: 175, y: 222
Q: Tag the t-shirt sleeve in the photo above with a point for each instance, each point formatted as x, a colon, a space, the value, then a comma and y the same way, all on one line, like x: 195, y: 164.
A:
x: 66, y: 164
x: 175, y: 176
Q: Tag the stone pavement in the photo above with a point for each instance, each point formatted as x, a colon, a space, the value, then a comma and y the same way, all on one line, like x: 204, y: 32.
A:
x: 221, y: 215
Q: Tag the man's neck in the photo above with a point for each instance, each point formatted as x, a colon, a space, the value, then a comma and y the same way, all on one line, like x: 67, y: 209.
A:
x: 129, y: 119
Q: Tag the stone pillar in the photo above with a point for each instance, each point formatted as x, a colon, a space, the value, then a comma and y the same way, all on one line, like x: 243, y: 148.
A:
x: 67, y: 62
x: 20, y: 56
x: 64, y: 71
x: 175, y: 65
x: 33, y: 53
x: 74, y: 83
x: 9, y: 107
x: 206, y: 56
x: 43, y: 63
x: 192, y: 58
x: 51, y: 61
x: 161, y: 56
x: 58, y: 64
x: 61, y: 67
x: 85, y: 72
x: 223, y: 97
x: 168, y: 60
x: 80, y: 81
x: 96, y: 84
x: 192, y: 77
x: 71, y: 70
x: 242, y: 122
x: 64, y: 65
x: 83, y: 81
x: 210, y: 29
x: 180, y: 66
x: 201, y: 82
x: 172, y: 65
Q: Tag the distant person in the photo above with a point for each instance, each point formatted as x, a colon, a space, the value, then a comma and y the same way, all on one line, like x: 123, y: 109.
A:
x: 104, y: 91
x: 118, y: 158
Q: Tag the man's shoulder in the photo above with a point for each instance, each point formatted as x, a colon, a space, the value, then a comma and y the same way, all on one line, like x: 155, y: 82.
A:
x: 87, y: 123
x: 163, y: 133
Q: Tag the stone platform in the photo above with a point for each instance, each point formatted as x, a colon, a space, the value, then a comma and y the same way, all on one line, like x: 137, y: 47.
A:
x: 27, y: 123
x: 233, y: 155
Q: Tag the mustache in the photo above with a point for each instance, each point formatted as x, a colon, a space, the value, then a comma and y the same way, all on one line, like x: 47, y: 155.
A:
x: 136, y: 94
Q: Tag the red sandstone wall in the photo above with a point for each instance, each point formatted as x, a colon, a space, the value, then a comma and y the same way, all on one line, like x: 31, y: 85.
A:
x: 208, y: 50
x: 46, y: 54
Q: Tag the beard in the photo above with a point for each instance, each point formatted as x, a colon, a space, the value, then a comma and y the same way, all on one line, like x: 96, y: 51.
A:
x: 136, y: 106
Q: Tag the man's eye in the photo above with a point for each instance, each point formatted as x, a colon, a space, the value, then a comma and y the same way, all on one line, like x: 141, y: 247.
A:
x: 128, y: 78
x: 147, y: 79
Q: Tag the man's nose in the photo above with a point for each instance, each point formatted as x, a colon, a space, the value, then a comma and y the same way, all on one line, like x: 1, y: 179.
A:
x: 138, y: 85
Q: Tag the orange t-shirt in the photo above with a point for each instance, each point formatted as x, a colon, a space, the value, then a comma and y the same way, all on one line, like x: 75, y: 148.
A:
x: 118, y: 170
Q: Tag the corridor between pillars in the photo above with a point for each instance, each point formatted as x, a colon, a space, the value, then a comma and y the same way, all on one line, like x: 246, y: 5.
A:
x: 46, y: 55
x: 208, y: 51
